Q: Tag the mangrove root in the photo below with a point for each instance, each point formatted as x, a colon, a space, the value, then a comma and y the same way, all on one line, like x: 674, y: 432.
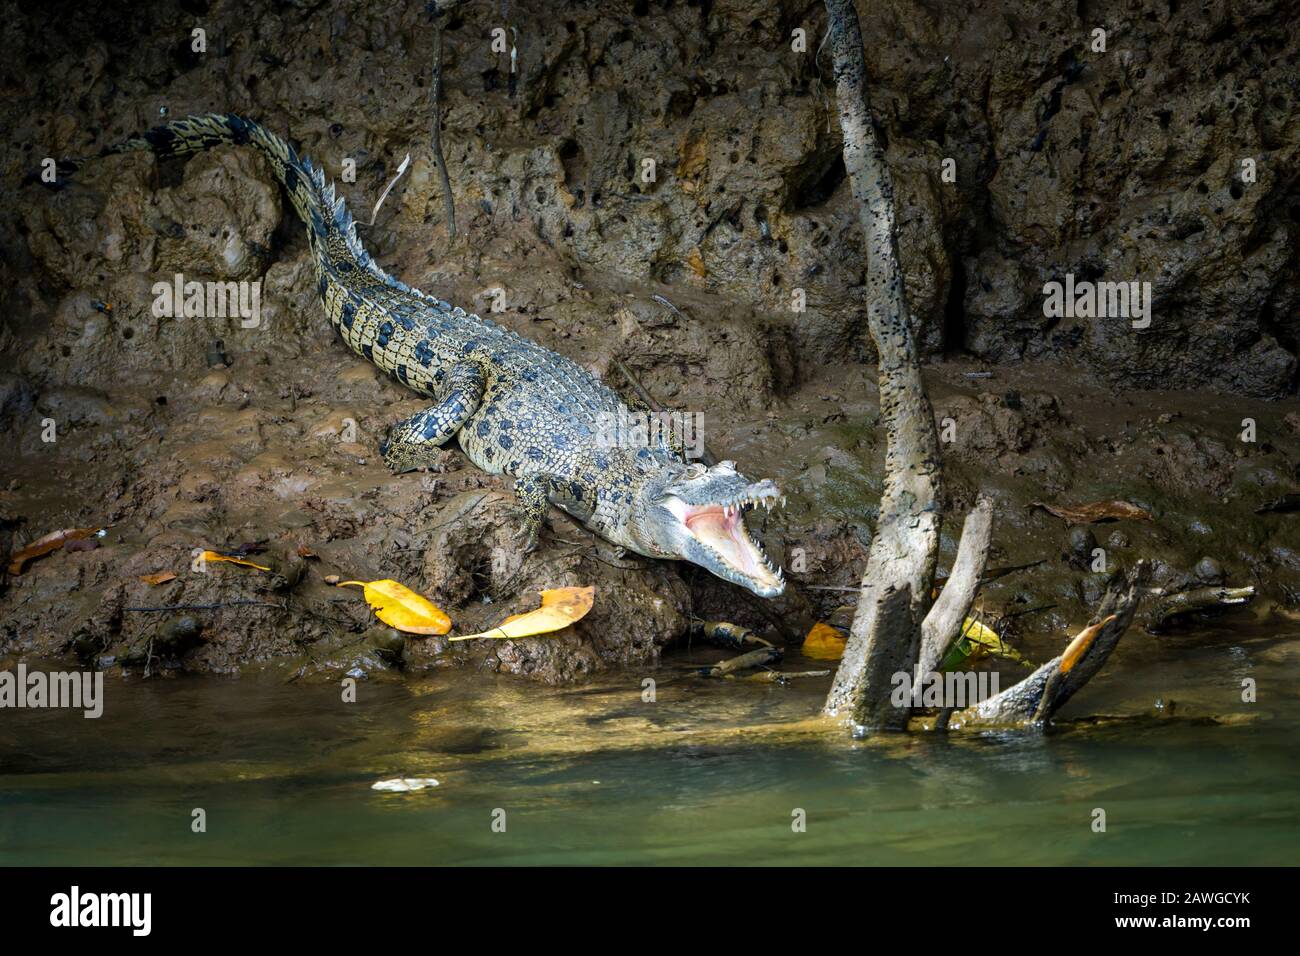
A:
x: 1040, y: 695
x: 891, y: 628
x: 896, y: 631
x: 904, y: 551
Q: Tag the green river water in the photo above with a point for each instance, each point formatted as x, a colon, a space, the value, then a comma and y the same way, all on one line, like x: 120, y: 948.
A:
x: 709, y: 772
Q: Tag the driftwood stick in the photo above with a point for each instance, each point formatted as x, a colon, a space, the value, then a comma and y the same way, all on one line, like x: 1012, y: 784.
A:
x: 1174, y: 606
x: 776, y: 677
x: 728, y: 635
x: 904, y: 551
x: 755, y: 658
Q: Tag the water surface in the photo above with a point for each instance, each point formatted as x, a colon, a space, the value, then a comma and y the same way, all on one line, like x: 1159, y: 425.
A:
x: 709, y: 772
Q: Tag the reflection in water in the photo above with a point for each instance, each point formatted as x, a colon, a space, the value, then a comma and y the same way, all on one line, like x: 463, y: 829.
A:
x: 708, y: 772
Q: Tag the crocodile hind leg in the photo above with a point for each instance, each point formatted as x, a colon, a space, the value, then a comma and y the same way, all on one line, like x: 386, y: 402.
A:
x: 412, y: 441
x: 531, y: 490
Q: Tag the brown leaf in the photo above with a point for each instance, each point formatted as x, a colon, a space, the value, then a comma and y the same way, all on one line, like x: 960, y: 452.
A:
x: 1096, y: 511
x: 305, y: 552
x: 43, y: 546
x: 162, y: 577
x: 696, y: 261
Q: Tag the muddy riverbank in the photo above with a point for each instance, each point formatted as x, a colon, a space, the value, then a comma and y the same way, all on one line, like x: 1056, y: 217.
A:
x: 240, y: 456
x: 179, y: 434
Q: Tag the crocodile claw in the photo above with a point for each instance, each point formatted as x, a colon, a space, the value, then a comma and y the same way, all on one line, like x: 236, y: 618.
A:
x: 526, y: 539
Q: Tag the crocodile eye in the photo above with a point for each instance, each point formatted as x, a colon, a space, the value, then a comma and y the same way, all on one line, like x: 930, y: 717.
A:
x: 696, y: 470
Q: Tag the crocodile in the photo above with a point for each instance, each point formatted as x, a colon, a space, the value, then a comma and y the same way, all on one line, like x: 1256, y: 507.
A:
x: 515, y: 407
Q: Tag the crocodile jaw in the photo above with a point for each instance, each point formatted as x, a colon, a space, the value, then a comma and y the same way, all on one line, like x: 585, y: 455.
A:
x: 701, y: 517
x: 718, y: 541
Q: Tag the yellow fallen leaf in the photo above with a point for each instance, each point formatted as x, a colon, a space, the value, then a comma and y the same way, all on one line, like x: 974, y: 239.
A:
x: 398, y: 606
x: 218, y: 556
x: 977, y: 633
x: 975, y: 642
x: 162, y: 577
x: 560, y: 608
x: 824, y: 643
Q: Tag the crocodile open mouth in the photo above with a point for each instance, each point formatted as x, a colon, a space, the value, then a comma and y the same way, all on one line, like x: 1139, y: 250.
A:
x: 725, y: 546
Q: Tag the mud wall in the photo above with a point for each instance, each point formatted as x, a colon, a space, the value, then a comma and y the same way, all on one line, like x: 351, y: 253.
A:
x: 1123, y: 165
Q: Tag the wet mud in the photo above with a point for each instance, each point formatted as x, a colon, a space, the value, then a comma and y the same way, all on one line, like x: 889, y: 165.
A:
x: 180, y: 434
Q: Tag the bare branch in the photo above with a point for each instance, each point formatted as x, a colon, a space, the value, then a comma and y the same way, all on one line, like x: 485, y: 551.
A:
x: 943, y: 624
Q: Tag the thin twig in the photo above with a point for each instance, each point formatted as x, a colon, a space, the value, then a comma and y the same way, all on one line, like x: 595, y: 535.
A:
x: 438, y: 159
x: 663, y: 300
x: 208, y: 607
x: 1032, y: 610
x: 705, y: 455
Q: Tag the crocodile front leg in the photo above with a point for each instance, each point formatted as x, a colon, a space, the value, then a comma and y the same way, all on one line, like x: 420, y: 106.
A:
x: 411, y: 441
x: 531, y: 490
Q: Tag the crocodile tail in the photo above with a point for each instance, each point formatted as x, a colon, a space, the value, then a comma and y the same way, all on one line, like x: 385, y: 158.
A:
x: 315, y: 202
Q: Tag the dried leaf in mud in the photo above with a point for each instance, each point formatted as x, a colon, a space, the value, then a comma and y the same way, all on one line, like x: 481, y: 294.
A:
x: 398, y: 606
x: 214, y: 556
x: 823, y: 643
x: 1097, y: 511
x: 696, y: 262
x: 560, y: 608
x: 51, y: 542
x: 162, y: 577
